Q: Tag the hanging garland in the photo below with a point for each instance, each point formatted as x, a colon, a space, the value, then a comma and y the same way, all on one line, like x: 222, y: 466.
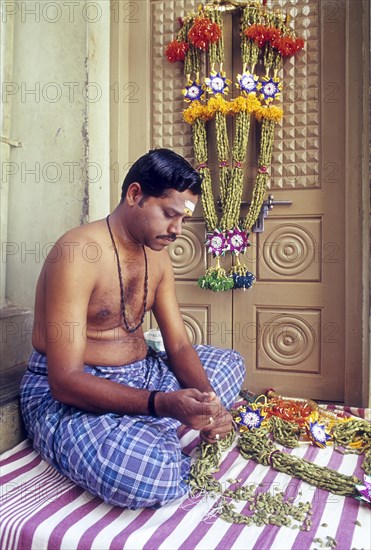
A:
x: 266, y: 39
x: 262, y: 421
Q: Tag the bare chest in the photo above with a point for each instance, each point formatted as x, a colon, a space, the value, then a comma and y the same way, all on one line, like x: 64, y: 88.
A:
x: 124, y: 292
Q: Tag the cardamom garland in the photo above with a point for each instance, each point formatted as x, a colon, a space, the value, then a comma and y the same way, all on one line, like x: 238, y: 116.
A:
x: 222, y: 146
x: 354, y: 435
x: 366, y: 464
x: 249, y: 48
x: 192, y: 60
x: 255, y: 444
x: 262, y: 178
x: 231, y: 205
x: 209, y: 455
x: 231, y: 194
x: 216, y: 49
x: 284, y: 432
x: 272, y: 61
x: 216, y: 56
x: 200, y: 152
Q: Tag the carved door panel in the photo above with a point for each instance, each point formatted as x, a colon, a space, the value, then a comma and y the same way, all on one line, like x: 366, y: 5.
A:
x: 290, y: 325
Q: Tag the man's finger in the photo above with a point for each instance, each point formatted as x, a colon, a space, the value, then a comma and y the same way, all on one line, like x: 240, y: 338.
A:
x: 213, y: 436
x: 224, y: 417
x: 212, y: 408
x: 208, y: 396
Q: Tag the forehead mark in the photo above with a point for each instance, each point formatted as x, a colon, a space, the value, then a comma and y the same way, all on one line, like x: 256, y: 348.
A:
x: 189, y: 208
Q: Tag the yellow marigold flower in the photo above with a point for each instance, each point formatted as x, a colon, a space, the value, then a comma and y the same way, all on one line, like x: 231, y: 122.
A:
x: 224, y: 106
x: 245, y: 103
x: 212, y: 105
x: 270, y: 112
x: 237, y: 105
x: 254, y: 103
x: 218, y: 103
x: 192, y: 112
x: 207, y: 114
x: 188, y: 117
x: 199, y: 110
x: 210, y: 109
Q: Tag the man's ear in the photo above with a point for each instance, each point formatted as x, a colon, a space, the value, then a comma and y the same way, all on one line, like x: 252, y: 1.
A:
x: 134, y: 194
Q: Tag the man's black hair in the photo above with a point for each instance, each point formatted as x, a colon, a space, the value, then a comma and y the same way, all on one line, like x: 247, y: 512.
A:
x: 160, y: 170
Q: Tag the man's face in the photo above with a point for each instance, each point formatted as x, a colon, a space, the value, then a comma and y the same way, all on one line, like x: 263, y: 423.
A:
x: 159, y: 219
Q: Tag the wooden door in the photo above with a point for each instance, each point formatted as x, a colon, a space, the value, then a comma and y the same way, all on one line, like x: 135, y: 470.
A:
x: 291, y: 326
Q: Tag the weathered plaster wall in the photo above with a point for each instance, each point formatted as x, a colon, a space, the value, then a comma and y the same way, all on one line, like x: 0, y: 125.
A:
x: 59, y: 91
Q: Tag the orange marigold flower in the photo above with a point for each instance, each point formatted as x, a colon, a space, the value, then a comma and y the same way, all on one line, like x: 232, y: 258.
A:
x: 209, y: 111
x: 176, y: 51
x: 299, y: 44
x: 204, y: 32
x: 286, y: 46
x: 258, y: 33
x: 206, y: 114
x: 273, y: 34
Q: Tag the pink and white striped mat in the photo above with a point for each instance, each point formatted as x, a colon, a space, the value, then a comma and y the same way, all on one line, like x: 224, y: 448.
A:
x: 40, y: 509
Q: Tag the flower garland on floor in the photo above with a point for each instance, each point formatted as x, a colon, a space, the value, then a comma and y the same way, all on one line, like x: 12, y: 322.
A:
x: 260, y: 422
x: 266, y: 39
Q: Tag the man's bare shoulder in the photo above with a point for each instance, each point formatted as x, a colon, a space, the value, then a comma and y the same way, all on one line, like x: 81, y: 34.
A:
x: 89, y: 232
x: 83, y: 244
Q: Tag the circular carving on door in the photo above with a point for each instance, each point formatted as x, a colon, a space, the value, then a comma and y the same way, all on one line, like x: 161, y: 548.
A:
x: 193, y: 328
x: 289, y: 250
x: 186, y: 252
x: 287, y: 340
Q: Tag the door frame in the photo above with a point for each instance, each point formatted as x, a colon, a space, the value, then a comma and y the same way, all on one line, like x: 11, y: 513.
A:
x: 357, y: 200
x: 134, y: 34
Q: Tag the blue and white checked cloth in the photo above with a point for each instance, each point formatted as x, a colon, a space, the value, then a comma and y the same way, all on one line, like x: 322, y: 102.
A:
x: 128, y: 461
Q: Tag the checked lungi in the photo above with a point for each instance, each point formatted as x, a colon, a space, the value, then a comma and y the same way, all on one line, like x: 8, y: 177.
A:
x: 128, y: 461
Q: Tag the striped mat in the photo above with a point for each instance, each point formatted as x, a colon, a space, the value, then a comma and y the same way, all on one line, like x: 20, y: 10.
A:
x: 40, y: 509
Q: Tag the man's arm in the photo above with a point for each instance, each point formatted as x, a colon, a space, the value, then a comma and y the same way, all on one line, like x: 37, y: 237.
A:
x: 183, y: 359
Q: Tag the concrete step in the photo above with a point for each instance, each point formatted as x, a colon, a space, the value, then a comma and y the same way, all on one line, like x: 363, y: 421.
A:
x: 16, y: 332
x: 10, y: 381
x: 12, y: 429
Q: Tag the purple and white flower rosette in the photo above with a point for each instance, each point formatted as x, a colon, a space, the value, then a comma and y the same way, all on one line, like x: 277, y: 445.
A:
x: 237, y: 240
x: 216, y: 243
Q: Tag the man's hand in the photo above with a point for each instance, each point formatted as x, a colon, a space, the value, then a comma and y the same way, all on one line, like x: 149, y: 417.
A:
x: 198, y: 410
x: 222, y: 425
x: 191, y: 407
